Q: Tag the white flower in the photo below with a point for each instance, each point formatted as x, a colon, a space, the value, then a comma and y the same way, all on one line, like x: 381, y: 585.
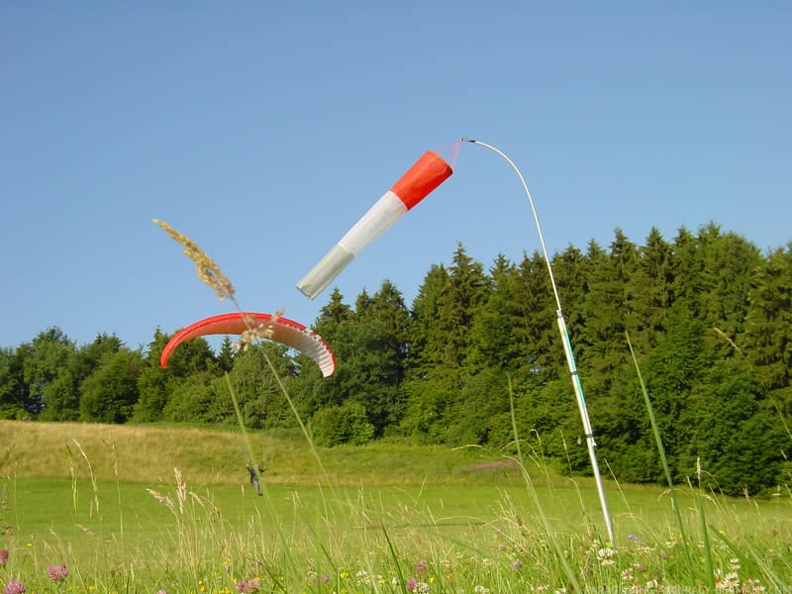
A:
x: 627, y: 574
x: 606, y: 555
x: 422, y: 588
x: 729, y: 583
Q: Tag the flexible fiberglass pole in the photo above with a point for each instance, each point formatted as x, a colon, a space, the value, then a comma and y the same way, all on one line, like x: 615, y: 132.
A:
x: 567, y: 345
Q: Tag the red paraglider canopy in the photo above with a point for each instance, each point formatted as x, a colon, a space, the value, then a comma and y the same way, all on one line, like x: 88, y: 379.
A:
x: 283, y: 330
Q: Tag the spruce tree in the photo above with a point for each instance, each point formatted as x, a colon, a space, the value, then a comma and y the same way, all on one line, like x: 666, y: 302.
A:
x: 425, y: 394
x: 651, y: 292
x: 380, y: 338
x: 725, y: 281
x: 767, y: 340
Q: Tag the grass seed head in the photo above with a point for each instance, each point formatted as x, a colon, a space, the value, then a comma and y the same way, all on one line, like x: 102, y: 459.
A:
x: 164, y: 499
x: 256, y: 330
x: 205, y: 267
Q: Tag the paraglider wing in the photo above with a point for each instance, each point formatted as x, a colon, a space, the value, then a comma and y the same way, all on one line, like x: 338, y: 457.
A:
x: 423, y: 177
x: 283, y: 330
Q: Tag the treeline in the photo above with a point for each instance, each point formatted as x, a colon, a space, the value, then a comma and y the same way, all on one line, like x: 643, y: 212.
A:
x: 708, y: 314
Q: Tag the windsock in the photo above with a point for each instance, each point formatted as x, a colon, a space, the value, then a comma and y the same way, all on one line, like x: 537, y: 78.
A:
x: 421, y: 179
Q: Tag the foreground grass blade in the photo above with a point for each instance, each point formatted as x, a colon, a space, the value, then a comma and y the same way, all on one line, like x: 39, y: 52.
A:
x: 661, y: 451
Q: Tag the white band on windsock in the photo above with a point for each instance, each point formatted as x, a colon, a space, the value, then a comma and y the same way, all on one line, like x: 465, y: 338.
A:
x: 379, y: 218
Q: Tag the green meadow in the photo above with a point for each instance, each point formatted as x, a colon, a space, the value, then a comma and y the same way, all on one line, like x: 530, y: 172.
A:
x: 169, y: 509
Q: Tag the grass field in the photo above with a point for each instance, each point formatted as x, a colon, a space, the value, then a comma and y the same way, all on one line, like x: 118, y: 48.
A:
x: 132, y: 509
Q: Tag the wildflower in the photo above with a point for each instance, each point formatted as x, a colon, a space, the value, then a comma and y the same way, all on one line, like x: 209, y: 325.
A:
x: 729, y: 583
x: 325, y: 578
x: 3, y: 556
x: 411, y: 584
x: 515, y: 565
x: 14, y: 587
x: 734, y: 564
x: 633, y: 537
x: 752, y: 586
x: 162, y: 591
x: 57, y: 573
x: 248, y: 587
x: 205, y: 267
x: 605, y: 556
x: 420, y: 567
x: 481, y: 590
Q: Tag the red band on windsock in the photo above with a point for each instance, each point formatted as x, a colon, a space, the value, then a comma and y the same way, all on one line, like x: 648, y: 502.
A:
x: 425, y: 175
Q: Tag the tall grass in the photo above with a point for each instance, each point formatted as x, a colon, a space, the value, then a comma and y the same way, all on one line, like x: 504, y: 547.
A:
x: 450, y: 537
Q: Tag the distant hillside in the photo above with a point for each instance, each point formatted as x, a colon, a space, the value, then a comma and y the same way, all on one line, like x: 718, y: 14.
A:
x: 147, y: 454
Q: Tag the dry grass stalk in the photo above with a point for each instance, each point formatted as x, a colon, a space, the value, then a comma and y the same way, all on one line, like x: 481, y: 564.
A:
x: 164, y: 499
x: 181, y: 488
x: 207, y: 270
x: 723, y: 335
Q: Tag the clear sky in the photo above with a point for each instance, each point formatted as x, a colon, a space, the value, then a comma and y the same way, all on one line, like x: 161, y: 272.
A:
x: 264, y: 130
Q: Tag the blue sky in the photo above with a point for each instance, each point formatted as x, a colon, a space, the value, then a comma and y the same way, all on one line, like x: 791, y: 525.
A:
x: 264, y: 131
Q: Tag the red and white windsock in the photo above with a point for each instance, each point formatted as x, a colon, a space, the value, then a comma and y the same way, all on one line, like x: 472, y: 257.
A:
x: 425, y: 175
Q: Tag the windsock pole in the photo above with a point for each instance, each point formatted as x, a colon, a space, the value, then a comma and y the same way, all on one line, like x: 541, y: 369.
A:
x: 567, y: 346
x: 423, y: 177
